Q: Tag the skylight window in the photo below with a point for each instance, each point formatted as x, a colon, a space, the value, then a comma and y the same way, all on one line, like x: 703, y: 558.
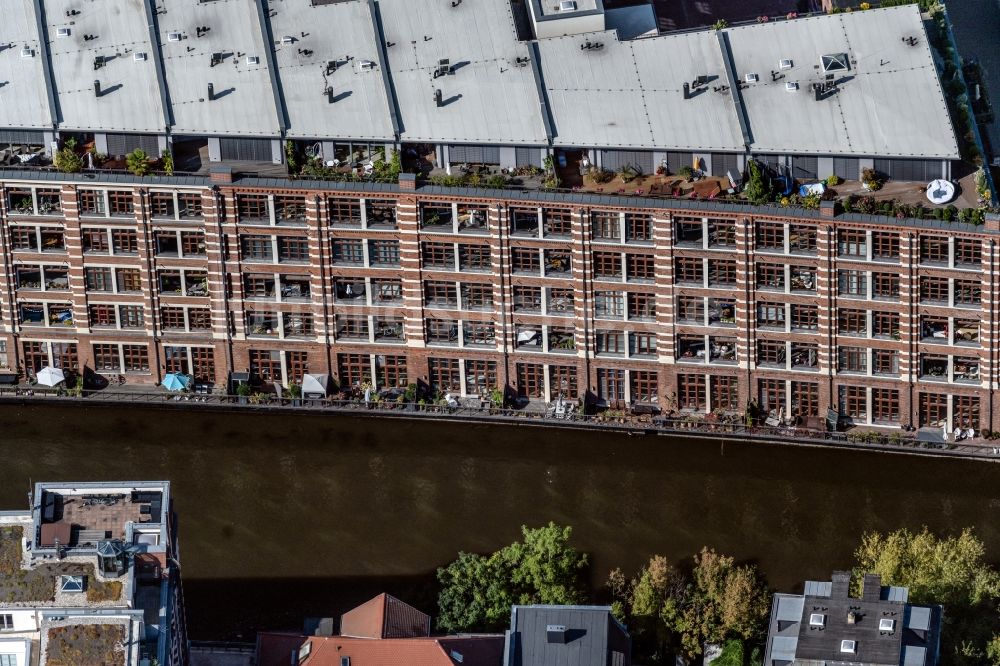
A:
x: 253, y: 60
x: 751, y: 77
x: 835, y: 62
x: 848, y: 646
x: 791, y: 86
x: 784, y: 64
x: 886, y: 624
x: 62, y: 32
x: 173, y: 36
x: 817, y: 620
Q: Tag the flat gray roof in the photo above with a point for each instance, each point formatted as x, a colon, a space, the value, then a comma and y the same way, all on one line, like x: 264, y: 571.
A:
x: 342, y: 33
x: 244, y: 103
x: 271, y: 60
x: 630, y: 94
x: 488, y: 100
x: 889, y: 103
x: 24, y: 102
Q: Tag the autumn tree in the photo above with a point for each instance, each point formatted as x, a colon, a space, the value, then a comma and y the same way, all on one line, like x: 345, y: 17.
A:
x: 670, y: 611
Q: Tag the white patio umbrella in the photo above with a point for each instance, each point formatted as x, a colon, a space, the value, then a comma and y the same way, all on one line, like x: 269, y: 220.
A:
x: 49, y: 376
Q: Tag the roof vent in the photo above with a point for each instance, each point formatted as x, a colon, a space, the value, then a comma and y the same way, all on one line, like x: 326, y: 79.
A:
x: 791, y: 86
x: 567, y: 5
x: 555, y: 633
x: 817, y: 620
x: 287, y: 39
x: 139, y: 57
x: 784, y: 64
x: 62, y: 32
x: 27, y: 52
x: 752, y: 78
x: 848, y: 646
x: 173, y: 36
x: 886, y: 624
x: 253, y: 60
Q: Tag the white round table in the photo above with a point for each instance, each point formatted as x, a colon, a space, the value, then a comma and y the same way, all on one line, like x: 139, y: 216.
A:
x: 940, y: 191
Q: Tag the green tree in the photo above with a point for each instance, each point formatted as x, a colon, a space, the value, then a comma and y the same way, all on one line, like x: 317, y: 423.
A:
x: 67, y: 161
x: 477, y: 591
x: 137, y: 162
x: 757, y: 190
x: 951, y: 571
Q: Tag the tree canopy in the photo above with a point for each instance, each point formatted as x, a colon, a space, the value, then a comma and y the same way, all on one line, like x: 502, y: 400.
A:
x: 669, y: 611
x: 477, y: 591
x: 951, y: 571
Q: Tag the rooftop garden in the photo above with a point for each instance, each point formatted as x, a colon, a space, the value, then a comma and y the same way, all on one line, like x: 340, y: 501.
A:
x: 38, y: 585
x: 91, y: 644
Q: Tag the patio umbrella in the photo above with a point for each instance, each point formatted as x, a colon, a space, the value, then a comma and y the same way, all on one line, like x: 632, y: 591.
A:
x: 48, y: 376
x: 176, y: 381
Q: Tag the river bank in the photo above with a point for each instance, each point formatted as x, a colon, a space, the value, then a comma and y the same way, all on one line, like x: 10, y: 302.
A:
x: 617, y: 422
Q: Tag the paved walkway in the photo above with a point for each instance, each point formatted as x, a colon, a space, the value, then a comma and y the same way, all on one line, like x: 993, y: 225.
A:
x: 976, y: 25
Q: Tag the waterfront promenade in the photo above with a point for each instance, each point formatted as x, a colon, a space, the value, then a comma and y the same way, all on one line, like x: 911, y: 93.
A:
x: 705, y: 427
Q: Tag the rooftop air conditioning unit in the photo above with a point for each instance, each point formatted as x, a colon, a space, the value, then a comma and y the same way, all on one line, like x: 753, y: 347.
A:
x: 848, y: 646
x: 791, y: 86
x: 139, y: 57
x: 817, y: 620
x: 886, y: 624
x: 567, y: 5
x: 752, y: 78
x: 784, y: 64
x: 62, y: 32
x: 173, y: 36
x: 253, y: 60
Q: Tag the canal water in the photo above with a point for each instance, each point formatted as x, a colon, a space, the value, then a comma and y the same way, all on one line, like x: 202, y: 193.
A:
x: 290, y: 515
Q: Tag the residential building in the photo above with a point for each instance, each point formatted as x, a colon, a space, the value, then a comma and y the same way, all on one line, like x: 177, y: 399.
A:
x: 89, y: 575
x: 689, y: 305
x: 825, y: 625
x: 381, y: 632
x: 566, y: 636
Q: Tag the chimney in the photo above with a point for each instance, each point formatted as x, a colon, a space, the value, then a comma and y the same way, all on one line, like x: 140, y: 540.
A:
x: 992, y: 222
x: 97, y: 88
x: 828, y: 208
x: 437, y: 97
x: 220, y: 174
x: 840, y: 586
x: 211, y: 92
x: 872, y: 587
x: 407, y: 181
x: 852, y: 617
x: 687, y: 90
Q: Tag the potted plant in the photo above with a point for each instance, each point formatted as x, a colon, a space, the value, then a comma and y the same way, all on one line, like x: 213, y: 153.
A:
x: 295, y: 393
x: 686, y: 172
x: 243, y: 392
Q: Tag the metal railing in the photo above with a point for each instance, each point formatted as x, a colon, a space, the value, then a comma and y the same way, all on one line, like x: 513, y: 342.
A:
x: 615, y: 421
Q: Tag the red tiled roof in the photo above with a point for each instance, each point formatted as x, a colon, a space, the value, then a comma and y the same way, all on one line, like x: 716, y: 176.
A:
x: 276, y: 650
x: 385, y: 616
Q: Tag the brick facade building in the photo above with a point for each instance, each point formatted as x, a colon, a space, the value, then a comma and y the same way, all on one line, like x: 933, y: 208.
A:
x: 693, y: 306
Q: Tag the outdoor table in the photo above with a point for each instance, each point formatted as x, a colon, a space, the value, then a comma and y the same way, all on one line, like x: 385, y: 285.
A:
x: 940, y: 191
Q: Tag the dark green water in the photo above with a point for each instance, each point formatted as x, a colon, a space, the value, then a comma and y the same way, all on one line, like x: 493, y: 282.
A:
x: 283, y: 516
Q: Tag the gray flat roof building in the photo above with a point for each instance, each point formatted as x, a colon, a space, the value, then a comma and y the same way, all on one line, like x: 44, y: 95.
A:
x: 24, y: 99
x: 825, y: 625
x: 566, y: 636
x: 448, y: 72
x: 232, y: 56
x: 103, y: 66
